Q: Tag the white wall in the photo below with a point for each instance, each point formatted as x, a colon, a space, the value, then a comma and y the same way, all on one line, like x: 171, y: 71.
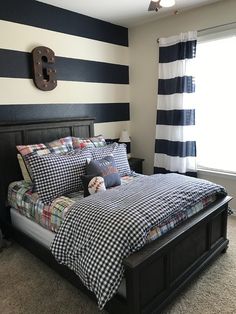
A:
x: 144, y: 72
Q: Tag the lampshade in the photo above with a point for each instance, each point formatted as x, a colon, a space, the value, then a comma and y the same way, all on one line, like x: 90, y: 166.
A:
x: 167, y: 3
x: 124, y: 137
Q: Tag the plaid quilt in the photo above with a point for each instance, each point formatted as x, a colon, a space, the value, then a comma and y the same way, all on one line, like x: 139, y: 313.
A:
x: 101, y: 230
x: 22, y: 197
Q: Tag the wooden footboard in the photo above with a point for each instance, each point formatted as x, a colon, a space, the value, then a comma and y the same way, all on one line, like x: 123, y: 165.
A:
x: 156, y: 273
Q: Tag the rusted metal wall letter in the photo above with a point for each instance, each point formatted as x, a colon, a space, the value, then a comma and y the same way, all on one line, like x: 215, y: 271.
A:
x: 44, y: 76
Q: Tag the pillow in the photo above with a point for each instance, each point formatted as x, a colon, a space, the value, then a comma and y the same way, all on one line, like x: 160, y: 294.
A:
x: 101, y: 152
x: 23, y: 168
x: 80, y: 143
x: 120, y: 156
x: 96, y: 141
x: 121, y: 160
x: 93, y: 184
x: 64, y: 141
x: 105, y: 168
x: 58, y: 174
x: 62, y: 145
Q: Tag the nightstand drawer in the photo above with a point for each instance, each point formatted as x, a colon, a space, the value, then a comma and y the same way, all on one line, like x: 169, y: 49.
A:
x: 136, y: 164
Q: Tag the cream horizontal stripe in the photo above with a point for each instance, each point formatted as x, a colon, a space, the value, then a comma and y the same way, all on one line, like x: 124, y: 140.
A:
x: 111, y: 129
x: 182, y: 37
x: 23, y: 91
x: 177, y: 68
x: 25, y: 38
x: 175, y: 101
x: 175, y: 133
x: 180, y: 164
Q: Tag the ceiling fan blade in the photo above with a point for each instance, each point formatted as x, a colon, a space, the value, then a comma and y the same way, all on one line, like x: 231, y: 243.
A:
x: 154, y: 6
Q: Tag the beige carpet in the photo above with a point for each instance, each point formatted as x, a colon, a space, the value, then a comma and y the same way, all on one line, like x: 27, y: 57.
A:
x: 28, y: 286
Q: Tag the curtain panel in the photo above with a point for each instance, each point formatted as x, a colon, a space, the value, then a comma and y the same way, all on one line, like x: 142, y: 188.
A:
x: 175, y: 141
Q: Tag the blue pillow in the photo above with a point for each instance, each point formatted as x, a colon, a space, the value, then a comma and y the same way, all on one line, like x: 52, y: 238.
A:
x: 105, y: 168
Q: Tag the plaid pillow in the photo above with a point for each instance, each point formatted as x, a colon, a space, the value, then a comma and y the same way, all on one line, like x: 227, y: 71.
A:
x: 64, y: 141
x: 96, y: 141
x: 80, y: 143
x: 56, y: 175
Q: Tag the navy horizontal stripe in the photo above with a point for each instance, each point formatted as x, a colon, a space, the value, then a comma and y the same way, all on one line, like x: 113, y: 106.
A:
x: 165, y: 171
x: 172, y: 148
x: 49, y: 17
x: 176, y: 117
x: 101, y: 112
x: 18, y: 64
x: 179, y: 84
x: 179, y: 51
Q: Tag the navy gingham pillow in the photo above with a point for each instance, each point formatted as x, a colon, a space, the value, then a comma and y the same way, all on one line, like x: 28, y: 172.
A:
x: 58, y: 174
x: 119, y: 153
x: 121, y: 160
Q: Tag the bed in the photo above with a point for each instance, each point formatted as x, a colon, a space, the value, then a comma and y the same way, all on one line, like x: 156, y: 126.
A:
x: 155, y: 273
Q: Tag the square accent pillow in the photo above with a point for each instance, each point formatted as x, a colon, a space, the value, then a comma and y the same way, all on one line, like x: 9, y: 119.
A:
x: 58, y: 174
x: 105, y: 168
x: 93, y: 184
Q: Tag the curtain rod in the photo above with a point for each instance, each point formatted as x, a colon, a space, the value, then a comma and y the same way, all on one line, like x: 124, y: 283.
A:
x: 212, y: 27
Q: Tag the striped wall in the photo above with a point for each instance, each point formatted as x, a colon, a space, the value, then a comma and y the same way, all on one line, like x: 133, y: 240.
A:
x: 92, y: 64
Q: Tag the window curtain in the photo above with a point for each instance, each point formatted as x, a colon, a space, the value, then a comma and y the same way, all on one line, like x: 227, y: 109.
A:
x: 175, y: 141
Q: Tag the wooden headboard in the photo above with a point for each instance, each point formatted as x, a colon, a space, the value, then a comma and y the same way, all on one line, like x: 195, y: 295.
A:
x: 21, y: 133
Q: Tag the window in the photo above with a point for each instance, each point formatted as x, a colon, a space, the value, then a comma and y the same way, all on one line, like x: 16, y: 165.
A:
x: 216, y: 102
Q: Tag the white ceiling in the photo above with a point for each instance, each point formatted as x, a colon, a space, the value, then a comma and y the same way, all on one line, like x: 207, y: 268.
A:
x: 125, y: 12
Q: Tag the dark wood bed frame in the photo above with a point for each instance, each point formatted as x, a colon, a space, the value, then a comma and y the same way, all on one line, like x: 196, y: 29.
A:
x: 156, y: 273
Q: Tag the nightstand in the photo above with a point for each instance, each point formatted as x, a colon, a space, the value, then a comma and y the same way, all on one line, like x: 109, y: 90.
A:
x: 136, y: 164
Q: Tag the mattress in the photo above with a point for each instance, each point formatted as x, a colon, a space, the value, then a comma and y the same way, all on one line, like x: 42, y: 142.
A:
x: 31, y: 228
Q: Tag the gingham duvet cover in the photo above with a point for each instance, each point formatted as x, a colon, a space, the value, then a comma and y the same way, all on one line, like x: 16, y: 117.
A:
x: 101, y: 230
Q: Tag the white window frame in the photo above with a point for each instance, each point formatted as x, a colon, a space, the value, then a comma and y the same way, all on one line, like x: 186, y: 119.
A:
x: 207, y: 35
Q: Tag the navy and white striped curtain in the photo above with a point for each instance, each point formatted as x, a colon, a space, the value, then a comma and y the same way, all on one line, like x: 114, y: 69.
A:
x: 175, y: 143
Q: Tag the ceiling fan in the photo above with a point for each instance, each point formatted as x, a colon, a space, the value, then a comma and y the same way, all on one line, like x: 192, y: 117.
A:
x: 157, y: 5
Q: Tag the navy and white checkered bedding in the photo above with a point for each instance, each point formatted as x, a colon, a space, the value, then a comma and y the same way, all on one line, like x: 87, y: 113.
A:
x: 102, y: 229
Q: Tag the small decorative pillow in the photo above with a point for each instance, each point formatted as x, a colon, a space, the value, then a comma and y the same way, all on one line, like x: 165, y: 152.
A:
x: 58, y: 174
x: 93, y: 184
x: 105, y: 168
